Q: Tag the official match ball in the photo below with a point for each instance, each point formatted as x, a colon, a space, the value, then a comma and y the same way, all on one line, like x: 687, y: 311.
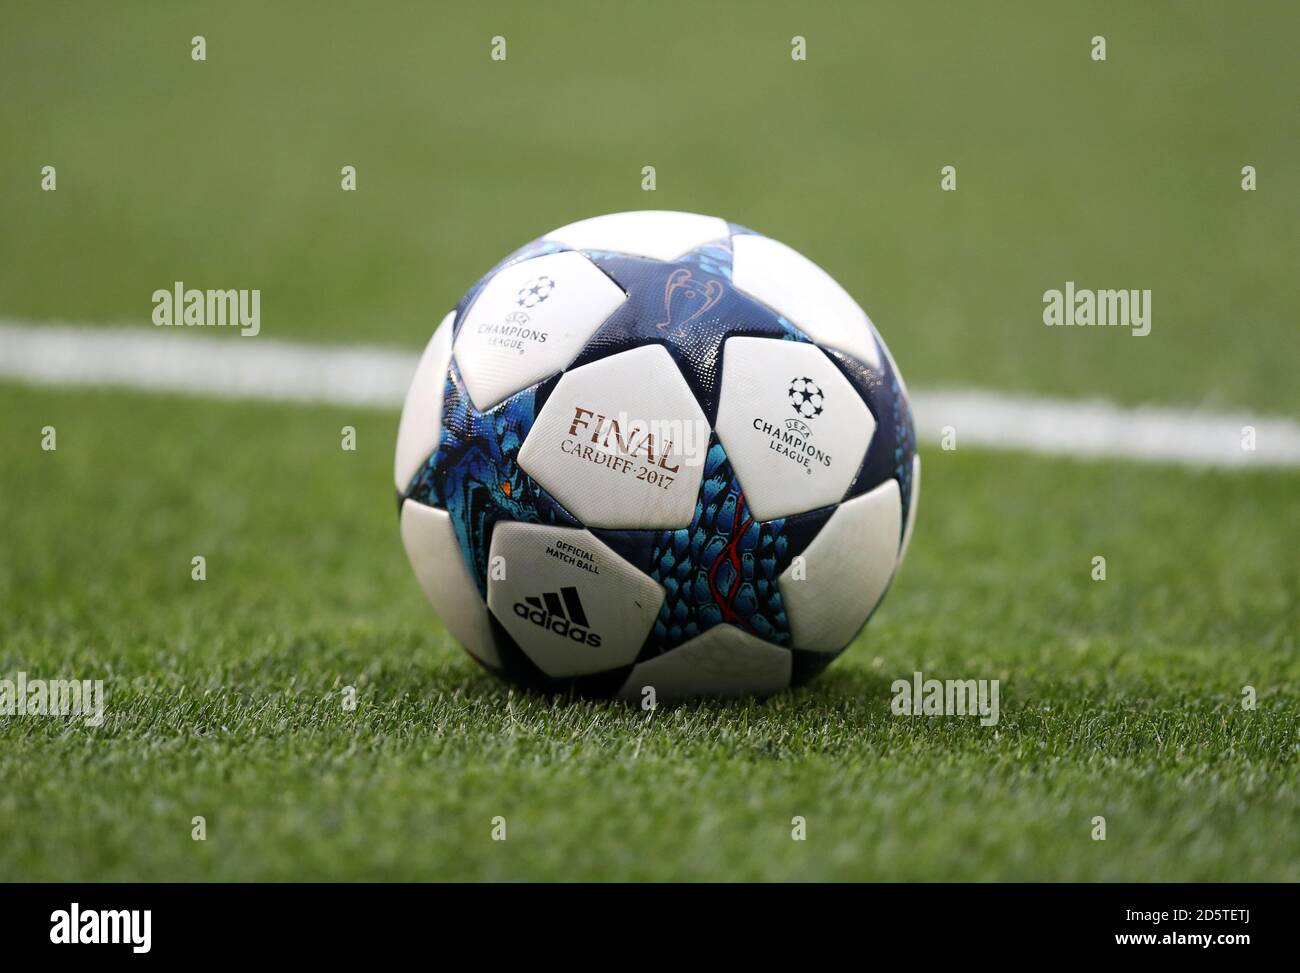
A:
x: 656, y: 455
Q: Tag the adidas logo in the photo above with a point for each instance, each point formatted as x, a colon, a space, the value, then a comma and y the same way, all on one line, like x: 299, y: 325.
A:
x: 559, y: 612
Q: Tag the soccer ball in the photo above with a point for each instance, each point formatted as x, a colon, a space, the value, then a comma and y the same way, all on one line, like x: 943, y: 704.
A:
x: 656, y: 450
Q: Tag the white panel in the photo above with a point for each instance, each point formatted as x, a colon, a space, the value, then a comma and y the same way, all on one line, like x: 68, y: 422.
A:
x: 421, y: 426
x: 530, y: 321
x: 573, y: 605
x: 788, y: 282
x: 845, y: 570
x: 659, y: 234
x: 430, y: 542
x: 724, y: 662
x: 911, y: 509
x: 621, y: 442
x: 793, y: 427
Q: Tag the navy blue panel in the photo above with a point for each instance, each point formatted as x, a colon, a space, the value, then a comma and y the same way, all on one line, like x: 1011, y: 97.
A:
x: 805, y: 665
x: 474, y: 473
x: 690, y: 307
x: 723, y: 567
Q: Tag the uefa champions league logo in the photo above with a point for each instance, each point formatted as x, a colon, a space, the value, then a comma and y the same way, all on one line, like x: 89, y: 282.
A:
x: 793, y: 442
x: 806, y: 398
x: 535, y: 291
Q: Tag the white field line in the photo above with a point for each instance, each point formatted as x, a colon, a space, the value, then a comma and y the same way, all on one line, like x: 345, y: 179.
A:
x: 229, y: 366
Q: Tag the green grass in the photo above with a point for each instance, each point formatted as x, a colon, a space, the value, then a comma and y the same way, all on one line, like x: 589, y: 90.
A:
x: 1119, y: 698
x: 1117, y: 175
